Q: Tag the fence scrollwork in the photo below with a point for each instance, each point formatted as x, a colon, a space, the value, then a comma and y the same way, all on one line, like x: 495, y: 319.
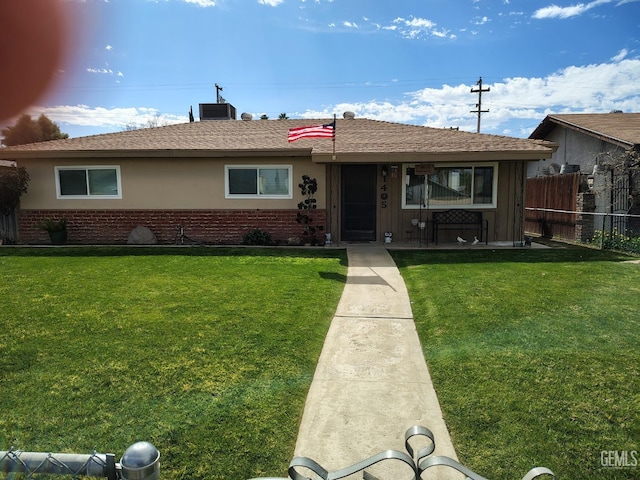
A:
x: 417, y: 459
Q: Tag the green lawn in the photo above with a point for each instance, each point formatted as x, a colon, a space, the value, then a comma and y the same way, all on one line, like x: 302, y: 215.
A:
x: 534, y: 355
x: 207, y: 353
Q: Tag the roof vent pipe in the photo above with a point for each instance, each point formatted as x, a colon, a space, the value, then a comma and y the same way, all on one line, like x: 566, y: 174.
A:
x: 349, y: 115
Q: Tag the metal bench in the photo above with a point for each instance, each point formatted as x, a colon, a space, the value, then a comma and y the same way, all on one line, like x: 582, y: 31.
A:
x: 460, y: 220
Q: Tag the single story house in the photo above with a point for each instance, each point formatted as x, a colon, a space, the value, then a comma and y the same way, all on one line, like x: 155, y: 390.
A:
x: 605, y: 148
x: 585, y: 141
x: 220, y: 179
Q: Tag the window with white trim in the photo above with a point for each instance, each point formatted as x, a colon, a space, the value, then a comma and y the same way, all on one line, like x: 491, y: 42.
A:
x: 251, y: 181
x: 451, y: 186
x: 101, y: 182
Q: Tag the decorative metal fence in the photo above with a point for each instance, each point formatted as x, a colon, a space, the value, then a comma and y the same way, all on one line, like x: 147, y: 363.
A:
x: 619, y: 202
x: 622, y: 204
x: 419, y: 443
x: 141, y: 461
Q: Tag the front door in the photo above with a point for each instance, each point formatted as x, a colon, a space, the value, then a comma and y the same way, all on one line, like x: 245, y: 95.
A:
x: 358, y: 193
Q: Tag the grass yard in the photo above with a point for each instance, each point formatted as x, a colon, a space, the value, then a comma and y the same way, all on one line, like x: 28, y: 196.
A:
x: 534, y: 355
x: 207, y: 353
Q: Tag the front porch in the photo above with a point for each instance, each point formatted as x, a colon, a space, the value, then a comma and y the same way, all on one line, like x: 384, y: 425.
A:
x: 416, y: 245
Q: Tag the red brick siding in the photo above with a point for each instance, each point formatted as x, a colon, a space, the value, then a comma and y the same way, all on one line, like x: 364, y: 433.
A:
x: 112, y: 227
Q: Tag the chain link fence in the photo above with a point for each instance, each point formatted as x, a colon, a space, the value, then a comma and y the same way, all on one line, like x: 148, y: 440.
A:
x: 139, y: 462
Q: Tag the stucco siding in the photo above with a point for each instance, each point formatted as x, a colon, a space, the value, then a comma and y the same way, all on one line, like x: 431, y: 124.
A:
x: 575, y: 148
x: 176, y: 183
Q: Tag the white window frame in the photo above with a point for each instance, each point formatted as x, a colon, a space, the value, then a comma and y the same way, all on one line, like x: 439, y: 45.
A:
x: 88, y: 196
x: 494, y: 200
x: 228, y: 195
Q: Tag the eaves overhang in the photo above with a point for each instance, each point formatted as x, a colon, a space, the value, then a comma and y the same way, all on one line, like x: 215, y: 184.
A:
x: 436, y: 157
x: 551, y: 122
x: 170, y: 153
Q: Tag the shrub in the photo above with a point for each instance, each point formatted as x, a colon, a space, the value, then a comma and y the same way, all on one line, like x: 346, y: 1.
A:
x: 13, y: 183
x: 49, y: 225
x: 615, y: 240
x: 257, y: 237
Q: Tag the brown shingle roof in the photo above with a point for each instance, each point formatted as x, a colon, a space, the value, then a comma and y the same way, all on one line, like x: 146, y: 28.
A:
x: 357, y: 137
x: 620, y: 128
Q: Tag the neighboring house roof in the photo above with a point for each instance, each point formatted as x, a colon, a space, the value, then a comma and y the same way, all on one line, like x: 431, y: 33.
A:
x: 622, y: 129
x: 361, y: 140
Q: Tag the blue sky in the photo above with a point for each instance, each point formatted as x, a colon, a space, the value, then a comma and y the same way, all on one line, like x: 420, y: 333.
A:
x: 409, y: 61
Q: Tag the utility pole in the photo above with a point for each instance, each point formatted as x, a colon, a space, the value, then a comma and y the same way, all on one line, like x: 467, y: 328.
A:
x: 479, y: 91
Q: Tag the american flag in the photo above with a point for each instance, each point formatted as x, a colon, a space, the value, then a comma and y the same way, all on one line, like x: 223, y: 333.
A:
x: 328, y: 130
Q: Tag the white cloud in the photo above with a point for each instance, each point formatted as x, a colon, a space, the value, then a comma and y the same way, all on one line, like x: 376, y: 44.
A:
x: 108, y: 47
x: 523, y: 102
x: 410, y: 28
x: 117, y: 118
x: 271, y: 3
x: 203, y: 3
x: 554, y: 11
x: 621, y: 55
x: 418, y: 23
x: 414, y: 28
x: 516, y: 105
x: 443, y: 34
x: 103, y: 71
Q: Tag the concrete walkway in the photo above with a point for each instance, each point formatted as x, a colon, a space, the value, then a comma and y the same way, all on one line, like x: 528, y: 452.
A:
x: 371, y: 383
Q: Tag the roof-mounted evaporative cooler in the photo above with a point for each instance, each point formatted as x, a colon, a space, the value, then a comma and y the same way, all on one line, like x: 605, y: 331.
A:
x: 217, y: 111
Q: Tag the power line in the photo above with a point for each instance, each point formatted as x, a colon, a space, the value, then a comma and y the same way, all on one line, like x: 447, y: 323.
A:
x: 420, y: 84
x: 295, y: 85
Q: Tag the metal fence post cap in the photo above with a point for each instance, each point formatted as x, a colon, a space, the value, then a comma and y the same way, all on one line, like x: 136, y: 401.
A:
x: 141, y: 461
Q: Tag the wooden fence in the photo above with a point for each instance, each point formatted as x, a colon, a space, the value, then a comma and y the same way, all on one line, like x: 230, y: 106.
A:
x: 555, y: 192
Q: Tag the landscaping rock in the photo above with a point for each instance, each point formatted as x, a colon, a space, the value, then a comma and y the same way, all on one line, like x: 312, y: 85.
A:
x: 142, y: 236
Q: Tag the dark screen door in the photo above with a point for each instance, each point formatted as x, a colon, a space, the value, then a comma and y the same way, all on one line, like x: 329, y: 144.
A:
x: 358, y: 192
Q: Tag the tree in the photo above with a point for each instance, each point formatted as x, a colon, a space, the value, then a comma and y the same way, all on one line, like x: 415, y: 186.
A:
x: 264, y: 116
x: 13, y: 183
x: 283, y: 116
x: 153, y: 122
x: 27, y: 130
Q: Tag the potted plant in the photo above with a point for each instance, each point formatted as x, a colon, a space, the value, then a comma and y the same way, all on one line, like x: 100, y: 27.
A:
x: 308, y: 188
x: 57, y: 230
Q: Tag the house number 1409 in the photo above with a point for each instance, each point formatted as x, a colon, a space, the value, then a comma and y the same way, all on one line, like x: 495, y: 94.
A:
x: 383, y: 195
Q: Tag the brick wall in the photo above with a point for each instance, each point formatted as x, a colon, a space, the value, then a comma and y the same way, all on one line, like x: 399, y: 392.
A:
x: 586, y: 202
x: 112, y: 227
